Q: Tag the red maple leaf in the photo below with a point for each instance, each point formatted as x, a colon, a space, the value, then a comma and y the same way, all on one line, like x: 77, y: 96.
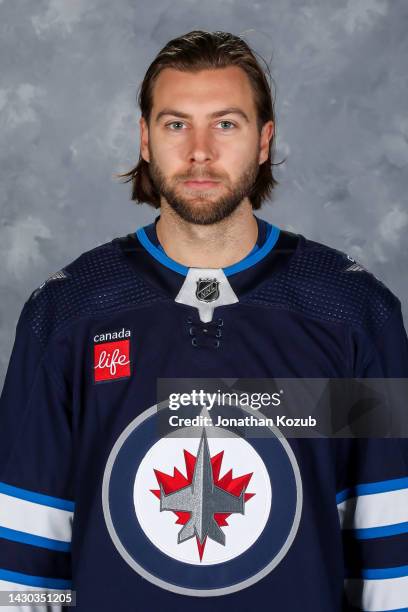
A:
x: 235, y: 486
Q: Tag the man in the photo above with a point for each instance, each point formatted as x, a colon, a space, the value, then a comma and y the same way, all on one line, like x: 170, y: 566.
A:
x: 95, y: 495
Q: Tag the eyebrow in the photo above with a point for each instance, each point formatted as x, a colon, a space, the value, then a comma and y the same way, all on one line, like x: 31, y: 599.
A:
x: 220, y: 113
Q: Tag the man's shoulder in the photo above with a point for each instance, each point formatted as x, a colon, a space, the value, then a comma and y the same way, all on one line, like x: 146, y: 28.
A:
x: 98, y: 281
x: 326, y: 283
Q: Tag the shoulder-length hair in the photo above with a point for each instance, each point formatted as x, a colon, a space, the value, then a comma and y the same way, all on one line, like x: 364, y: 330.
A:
x: 200, y: 50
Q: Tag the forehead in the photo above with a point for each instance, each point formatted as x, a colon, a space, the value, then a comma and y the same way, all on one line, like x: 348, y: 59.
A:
x: 212, y: 89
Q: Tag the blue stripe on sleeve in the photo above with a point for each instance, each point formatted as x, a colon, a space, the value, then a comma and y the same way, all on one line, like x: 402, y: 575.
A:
x: 34, y: 540
x: 372, y: 487
x: 35, y: 581
x: 380, y: 573
x: 379, y: 532
x: 37, y: 498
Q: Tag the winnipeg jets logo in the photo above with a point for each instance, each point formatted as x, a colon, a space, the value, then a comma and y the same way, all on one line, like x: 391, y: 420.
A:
x: 354, y: 267
x: 198, y: 515
x: 60, y: 275
x: 202, y: 501
x: 207, y: 289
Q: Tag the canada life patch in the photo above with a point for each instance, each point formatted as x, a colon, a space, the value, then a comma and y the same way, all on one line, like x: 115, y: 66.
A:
x: 203, y: 515
x: 111, y: 359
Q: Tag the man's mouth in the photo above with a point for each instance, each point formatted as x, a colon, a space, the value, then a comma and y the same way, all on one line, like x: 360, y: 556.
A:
x: 201, y: 184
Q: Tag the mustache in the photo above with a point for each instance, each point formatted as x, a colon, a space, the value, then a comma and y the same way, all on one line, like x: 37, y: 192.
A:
x: 205, y: 175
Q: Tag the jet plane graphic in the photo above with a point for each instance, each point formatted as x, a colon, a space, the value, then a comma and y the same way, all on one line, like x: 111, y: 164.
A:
x: 202, y: 499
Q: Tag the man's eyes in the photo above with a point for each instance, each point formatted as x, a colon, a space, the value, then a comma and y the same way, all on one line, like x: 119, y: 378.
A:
x: 173, y: 123
x: 230, y: 125
x: 229, y: 122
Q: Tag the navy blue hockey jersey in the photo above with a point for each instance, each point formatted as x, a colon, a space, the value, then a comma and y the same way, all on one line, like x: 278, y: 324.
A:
x: 93, y: 498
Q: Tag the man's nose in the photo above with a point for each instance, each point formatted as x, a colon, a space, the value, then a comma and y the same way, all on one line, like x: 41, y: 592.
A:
x: 201, y: 146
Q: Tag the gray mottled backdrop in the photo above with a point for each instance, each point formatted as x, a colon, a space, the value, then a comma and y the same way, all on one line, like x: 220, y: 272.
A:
x: 68, y: 121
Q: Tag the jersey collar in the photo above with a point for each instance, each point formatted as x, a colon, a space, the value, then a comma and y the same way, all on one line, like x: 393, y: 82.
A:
x: 147, y: 237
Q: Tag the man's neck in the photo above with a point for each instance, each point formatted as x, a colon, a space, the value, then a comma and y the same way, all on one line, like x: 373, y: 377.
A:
x: 208, y: 246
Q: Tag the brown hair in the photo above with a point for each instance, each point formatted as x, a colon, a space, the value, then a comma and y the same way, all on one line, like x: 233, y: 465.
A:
x: 201, y: 50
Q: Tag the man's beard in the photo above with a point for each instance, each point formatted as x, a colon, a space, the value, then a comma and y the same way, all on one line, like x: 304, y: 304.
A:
x: 204, y: 210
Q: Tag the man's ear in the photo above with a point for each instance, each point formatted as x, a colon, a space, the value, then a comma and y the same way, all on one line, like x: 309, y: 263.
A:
x: 144, y: 139
x: 266, y: 135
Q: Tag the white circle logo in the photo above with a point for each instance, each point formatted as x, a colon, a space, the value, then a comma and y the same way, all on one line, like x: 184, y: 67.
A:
x: 171, y: 466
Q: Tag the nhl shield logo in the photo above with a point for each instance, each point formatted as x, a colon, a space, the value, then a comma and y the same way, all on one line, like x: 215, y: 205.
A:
x: 207, y: 289
x: 202, y: 516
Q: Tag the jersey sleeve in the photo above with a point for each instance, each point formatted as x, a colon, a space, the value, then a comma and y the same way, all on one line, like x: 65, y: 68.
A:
x: 36, y: 490
x: 372, y: 499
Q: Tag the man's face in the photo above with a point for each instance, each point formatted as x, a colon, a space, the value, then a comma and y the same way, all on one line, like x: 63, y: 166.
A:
x: 203, y: 143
